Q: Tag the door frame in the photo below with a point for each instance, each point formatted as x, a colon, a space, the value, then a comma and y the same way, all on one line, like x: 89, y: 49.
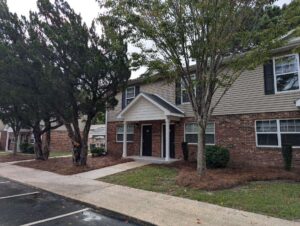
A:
x: 141, y: 141
x: 162, y: 138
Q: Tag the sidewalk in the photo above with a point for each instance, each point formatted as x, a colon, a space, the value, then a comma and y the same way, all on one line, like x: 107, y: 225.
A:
x: 94, y: 174
x: 148, y: 206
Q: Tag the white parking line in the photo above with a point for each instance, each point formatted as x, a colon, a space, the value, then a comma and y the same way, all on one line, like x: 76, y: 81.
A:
x: 4, y: 182
x: 54, y: 218
x: 13, y: 196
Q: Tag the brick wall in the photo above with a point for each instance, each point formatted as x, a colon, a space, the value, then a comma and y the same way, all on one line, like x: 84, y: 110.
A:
x: 60, y: 141
x: 235, y: 132
x: 133, y: 148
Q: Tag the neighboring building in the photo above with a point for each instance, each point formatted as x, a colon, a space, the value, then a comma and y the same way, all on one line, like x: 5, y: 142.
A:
x: 259, y: 113
x: 97, y: 136
x: 60, y: 140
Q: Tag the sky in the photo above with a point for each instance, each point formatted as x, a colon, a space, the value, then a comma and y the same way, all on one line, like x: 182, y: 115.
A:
x: 89, y: 9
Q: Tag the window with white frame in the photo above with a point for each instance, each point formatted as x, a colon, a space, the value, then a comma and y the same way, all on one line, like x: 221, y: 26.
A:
x: 129, y: 94
x: 287, y: 73
x: 120, y: 132
x: 275, y: 133
x: 184, y: 92
x: 191, y: 133
x: 290, y: 132
x: 267, y: 133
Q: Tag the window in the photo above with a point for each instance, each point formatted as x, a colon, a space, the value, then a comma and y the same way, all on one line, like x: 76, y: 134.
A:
x: 290, y: 132
x: 120, y: 131
x: 287, y: 73
x: 184, y: 93
x: 278, y: 132
x: 267, y: 133
x: 130, y: 94
x: 191, y: 133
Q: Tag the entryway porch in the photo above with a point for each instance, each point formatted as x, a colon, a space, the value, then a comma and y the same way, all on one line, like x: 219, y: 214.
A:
x: 155, y: 119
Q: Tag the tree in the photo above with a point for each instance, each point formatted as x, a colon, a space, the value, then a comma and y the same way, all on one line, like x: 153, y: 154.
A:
x: 205, y: 44
x: 86, y: 70
x: 24, y: 80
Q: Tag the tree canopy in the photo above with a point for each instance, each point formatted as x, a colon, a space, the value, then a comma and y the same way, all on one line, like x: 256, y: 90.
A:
x: 204, y: 44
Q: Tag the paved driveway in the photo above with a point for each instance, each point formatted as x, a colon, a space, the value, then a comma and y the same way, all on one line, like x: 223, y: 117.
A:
x: 23, y: 205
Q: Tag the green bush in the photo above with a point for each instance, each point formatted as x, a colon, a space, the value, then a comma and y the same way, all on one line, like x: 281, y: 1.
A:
x: 216, y: 157
x: 287, y: 154
x: 98, y: 151
x: 27, y: 148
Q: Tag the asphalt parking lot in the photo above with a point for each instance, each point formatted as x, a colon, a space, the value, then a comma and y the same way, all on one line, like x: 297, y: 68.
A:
x: 23, y: 205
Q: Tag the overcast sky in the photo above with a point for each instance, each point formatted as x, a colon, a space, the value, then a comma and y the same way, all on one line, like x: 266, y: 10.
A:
x: 89, y: 9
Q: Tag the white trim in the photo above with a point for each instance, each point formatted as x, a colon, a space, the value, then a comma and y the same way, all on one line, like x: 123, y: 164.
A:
x: 57, y: 217
x: 278, y: 132
x: 275, y: 76
x: 162, y: 137
x: 142, y: 95
x: 141, y: 145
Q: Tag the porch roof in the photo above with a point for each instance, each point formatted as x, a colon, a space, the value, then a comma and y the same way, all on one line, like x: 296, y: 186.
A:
x: 148, y: 106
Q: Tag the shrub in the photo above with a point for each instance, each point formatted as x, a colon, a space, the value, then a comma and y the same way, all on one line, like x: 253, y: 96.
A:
x: 27, y: 148
x: 216, y: 157
x: 287, y: 154
x: 98, y: 151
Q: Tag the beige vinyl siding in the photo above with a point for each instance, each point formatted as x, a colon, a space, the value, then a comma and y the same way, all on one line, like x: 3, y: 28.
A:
x: 144, y: 110
x: 246, y: 96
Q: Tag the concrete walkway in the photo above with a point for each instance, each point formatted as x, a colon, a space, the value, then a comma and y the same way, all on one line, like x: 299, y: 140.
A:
x: 94, y: 174
x: 148, y: 206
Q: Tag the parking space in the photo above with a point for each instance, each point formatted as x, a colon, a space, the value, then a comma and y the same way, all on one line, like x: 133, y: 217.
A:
x: 23, y: 205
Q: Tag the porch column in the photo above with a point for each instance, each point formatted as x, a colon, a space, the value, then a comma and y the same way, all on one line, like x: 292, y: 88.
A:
x: 167, y: 139
x: 125, y: 140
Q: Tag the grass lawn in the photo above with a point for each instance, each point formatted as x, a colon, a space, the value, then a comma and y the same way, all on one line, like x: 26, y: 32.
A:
x: 277, y: 198
x: 9, y: 157
x: 59, y: 153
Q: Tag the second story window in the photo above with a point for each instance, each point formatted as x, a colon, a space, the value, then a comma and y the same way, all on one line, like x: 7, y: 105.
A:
x: 287, y: 73
x: 184, y: 92
x: 129, y: 94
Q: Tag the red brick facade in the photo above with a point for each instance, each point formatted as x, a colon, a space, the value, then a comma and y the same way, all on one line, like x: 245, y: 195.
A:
x: 60, y: 141
x: 235, y: 132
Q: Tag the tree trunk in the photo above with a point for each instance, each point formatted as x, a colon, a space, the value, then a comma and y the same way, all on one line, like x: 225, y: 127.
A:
x: 16, y: 135
x: 46, y: 145
x: 201, y: 159
x: 84, y: 143
x: 38, y: 145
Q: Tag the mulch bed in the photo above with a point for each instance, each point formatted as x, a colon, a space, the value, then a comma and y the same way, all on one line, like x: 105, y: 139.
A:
x: 12, y: 158
x: 65, y: 166
x: 215, y: 179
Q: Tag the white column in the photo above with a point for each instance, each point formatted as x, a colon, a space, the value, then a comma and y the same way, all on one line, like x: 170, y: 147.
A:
x: 7, y: 139
x: 125, y: 140
x: 167, y: 139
